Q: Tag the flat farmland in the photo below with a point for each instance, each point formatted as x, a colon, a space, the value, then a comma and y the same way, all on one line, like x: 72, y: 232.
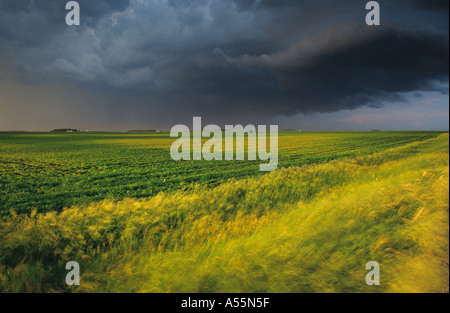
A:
x: 48, y: 172
x: 137, y: 221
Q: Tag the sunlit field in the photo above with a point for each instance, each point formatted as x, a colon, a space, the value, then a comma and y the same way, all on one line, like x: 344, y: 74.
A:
x: 137, y: 221
x: 49, y: 172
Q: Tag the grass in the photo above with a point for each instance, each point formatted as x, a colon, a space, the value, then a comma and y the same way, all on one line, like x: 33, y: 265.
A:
x: 49, y: 172
x: 309, y: 228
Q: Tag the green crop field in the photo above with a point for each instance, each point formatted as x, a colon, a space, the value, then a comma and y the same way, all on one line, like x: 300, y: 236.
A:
x: 137, y: 221
x: 51, y: 171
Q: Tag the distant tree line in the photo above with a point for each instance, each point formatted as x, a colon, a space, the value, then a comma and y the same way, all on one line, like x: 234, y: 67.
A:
x: 143, y: 131
x: 65, y: 130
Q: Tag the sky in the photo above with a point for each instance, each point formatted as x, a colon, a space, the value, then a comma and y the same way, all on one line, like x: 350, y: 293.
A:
x: 153, y: 64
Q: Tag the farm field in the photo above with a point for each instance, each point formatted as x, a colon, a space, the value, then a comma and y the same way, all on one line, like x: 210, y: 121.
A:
x: 49, y: 172
x: 137, y: 221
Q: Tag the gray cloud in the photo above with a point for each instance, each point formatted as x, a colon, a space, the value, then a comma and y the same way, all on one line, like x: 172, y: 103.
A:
x: 233, y: 59
x: 344, y: 67
x: 432, y: 4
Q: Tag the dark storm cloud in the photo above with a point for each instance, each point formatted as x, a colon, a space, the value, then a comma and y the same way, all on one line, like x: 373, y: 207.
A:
x: 53, y: 8
x: 429, y: 4
x: 230, y: 58
x: 344, y: 67
x: 432, y: 4
x: 30, y: 22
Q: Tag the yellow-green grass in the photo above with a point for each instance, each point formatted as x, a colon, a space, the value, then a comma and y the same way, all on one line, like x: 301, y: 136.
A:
x: 300, y: 229
x: 49, y: 172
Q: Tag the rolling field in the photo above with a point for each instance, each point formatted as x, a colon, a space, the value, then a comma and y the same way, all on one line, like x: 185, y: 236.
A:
x: 137, y: 221
x: 49, y: 172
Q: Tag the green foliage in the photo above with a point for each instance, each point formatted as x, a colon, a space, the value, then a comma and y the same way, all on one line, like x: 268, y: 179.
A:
x: 310, y: 228
x: 49, y: 172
